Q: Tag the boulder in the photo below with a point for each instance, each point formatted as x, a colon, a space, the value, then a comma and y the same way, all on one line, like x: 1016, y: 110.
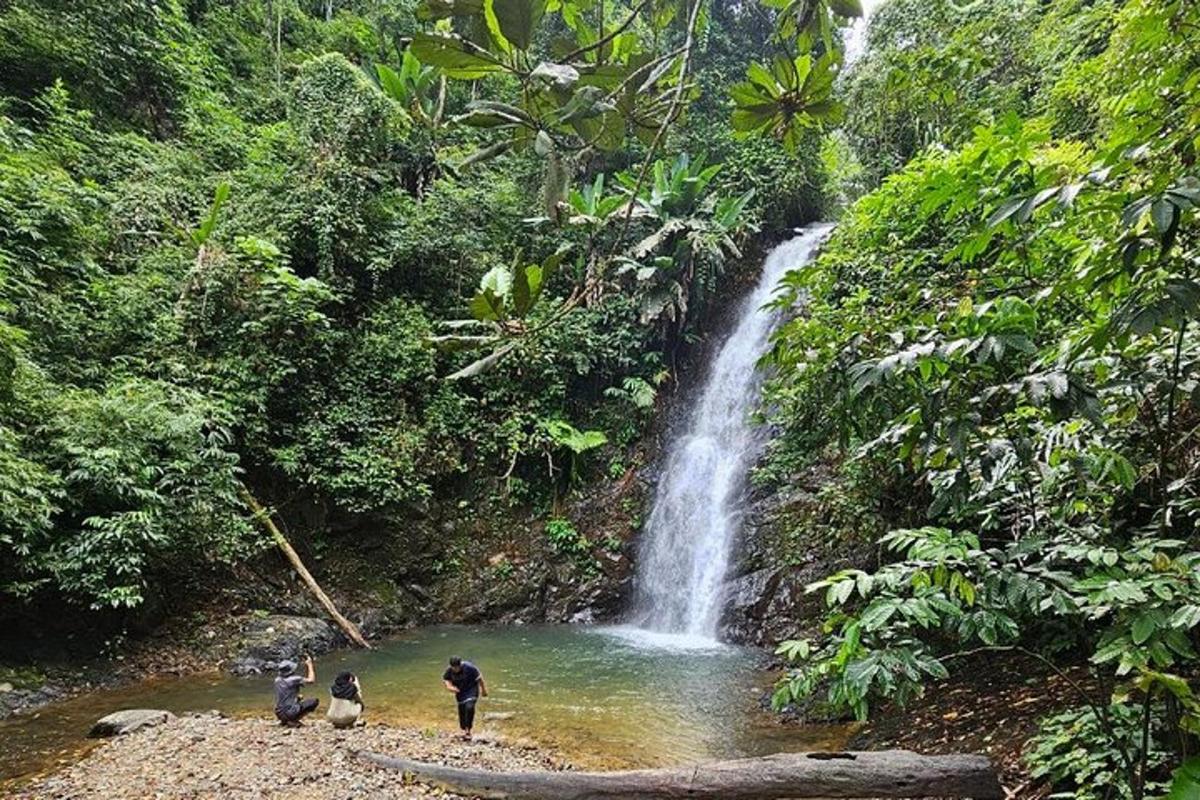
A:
x: 19, y: 701
x: 275, y: 638
x: 769, y: 605
x: 120, y: 723
x: 373, y: 622
x: 748, y: 595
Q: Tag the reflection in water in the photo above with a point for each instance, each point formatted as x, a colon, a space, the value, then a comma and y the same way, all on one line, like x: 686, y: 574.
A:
x: 603, y: 697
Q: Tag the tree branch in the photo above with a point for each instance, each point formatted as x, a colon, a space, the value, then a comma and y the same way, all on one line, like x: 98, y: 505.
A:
x: 617, y: 31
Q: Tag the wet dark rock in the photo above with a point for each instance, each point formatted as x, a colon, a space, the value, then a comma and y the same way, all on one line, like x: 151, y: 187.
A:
x: 19, y: 701
x: 373, y: 622
x: 750, y: 594
x: 272, y: 639
x: 120, y: 723
x: 769, y: 605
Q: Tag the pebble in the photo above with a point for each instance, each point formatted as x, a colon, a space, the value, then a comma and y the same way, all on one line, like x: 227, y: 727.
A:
x: 195, y: 756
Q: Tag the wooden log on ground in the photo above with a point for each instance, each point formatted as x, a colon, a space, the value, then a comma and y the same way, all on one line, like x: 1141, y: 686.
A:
x: 885, y: 773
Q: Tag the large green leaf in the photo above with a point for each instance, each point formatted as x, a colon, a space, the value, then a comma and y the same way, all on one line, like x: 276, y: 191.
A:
x: 202, y: 234
x: 491, y: 114
x: 575, y: 440
x: 487, y: 306
x: 846, y: 8
x: 497, y: 279
x: 455, y: 55
x: 1186, y: 783
x: 560, y: 76
x: 391, y: 83
x: 586, y: 103
x: 513, y: 22
x: 441, y: 9
x: 791, y: 96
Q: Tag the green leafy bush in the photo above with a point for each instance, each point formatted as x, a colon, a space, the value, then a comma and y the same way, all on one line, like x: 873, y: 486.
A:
x: 565, y: 539
x: 1074, y: 752
x: 1002, y: 338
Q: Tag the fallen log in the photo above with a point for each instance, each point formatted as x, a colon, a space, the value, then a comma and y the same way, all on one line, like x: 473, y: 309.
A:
x: 885, y: 773
x: 262, y: 515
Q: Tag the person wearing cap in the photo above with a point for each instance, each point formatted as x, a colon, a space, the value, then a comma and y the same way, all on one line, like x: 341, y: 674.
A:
x: 464, y: 679
x: 290, y: 706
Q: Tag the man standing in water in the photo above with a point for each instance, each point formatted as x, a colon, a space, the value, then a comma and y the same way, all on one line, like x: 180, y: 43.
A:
x: 464, y: 679
x: 290, y: 707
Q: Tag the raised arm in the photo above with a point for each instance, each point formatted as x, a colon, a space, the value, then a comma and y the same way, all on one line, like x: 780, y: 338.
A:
x: 311, y: 677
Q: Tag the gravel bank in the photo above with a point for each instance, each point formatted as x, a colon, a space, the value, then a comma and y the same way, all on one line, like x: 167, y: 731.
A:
x: 208, y: 756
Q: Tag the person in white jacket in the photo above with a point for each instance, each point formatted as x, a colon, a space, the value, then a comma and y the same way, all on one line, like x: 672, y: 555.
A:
x: 346, y: 704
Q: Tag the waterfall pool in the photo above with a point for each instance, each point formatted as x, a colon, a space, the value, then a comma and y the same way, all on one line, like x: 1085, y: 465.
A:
x: 603, y: 697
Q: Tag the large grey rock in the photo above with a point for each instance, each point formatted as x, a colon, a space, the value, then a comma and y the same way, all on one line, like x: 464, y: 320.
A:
x: 769, y: 605
x: 120, y: 723
x: 747, y: 595
x: 270, y: 640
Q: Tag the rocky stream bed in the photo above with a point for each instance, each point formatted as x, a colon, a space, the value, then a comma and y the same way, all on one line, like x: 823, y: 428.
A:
x: 210, y: 756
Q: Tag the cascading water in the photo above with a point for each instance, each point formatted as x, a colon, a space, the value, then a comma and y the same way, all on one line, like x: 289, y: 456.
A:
x: 696, y: 512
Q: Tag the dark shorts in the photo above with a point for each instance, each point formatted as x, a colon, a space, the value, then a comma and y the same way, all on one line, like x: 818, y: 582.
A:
x: 294, y: 713
x: 466, y: 714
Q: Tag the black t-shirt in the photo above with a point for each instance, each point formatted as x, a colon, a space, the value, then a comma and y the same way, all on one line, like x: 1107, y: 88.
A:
x: 466, y: 680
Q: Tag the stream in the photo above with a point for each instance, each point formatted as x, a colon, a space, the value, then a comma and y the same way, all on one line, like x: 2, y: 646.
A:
x: 602, y: 697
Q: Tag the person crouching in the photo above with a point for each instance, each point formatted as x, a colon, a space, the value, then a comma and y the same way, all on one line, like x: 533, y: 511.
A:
x: 346, y: 703
x: 290, y: 705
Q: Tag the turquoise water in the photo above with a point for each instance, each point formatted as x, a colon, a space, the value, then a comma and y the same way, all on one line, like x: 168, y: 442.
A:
x: 602, y: 697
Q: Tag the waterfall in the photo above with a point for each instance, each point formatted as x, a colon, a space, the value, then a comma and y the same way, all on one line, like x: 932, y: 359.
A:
x: 697, y: 505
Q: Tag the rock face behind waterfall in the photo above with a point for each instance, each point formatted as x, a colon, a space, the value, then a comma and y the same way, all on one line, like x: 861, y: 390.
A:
x: 765, y: 600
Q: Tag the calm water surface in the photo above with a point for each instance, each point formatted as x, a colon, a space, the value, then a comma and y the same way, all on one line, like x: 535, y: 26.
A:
x: 603, y: 697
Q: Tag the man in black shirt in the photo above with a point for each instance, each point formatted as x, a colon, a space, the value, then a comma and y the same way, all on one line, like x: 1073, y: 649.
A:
x: 464, y: 679
x: 290, y: 707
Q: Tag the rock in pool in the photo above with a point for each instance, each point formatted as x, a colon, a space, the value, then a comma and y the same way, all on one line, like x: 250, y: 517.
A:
x: 278, y: 637
x: 120, y: 723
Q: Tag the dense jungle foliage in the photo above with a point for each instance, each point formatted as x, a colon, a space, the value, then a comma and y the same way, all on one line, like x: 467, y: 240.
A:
x: 378, y: 254
x: 362, y: 252
x: 999, y: 352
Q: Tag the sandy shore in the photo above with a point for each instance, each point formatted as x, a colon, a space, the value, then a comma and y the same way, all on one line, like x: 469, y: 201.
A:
x: 208, y: 756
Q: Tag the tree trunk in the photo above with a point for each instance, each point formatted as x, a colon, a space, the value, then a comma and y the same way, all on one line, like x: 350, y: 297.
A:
x: 887, y: 773
x: 261, y: 514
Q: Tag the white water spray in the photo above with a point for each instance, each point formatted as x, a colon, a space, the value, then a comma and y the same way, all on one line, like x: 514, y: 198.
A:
x: 697, y: 510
